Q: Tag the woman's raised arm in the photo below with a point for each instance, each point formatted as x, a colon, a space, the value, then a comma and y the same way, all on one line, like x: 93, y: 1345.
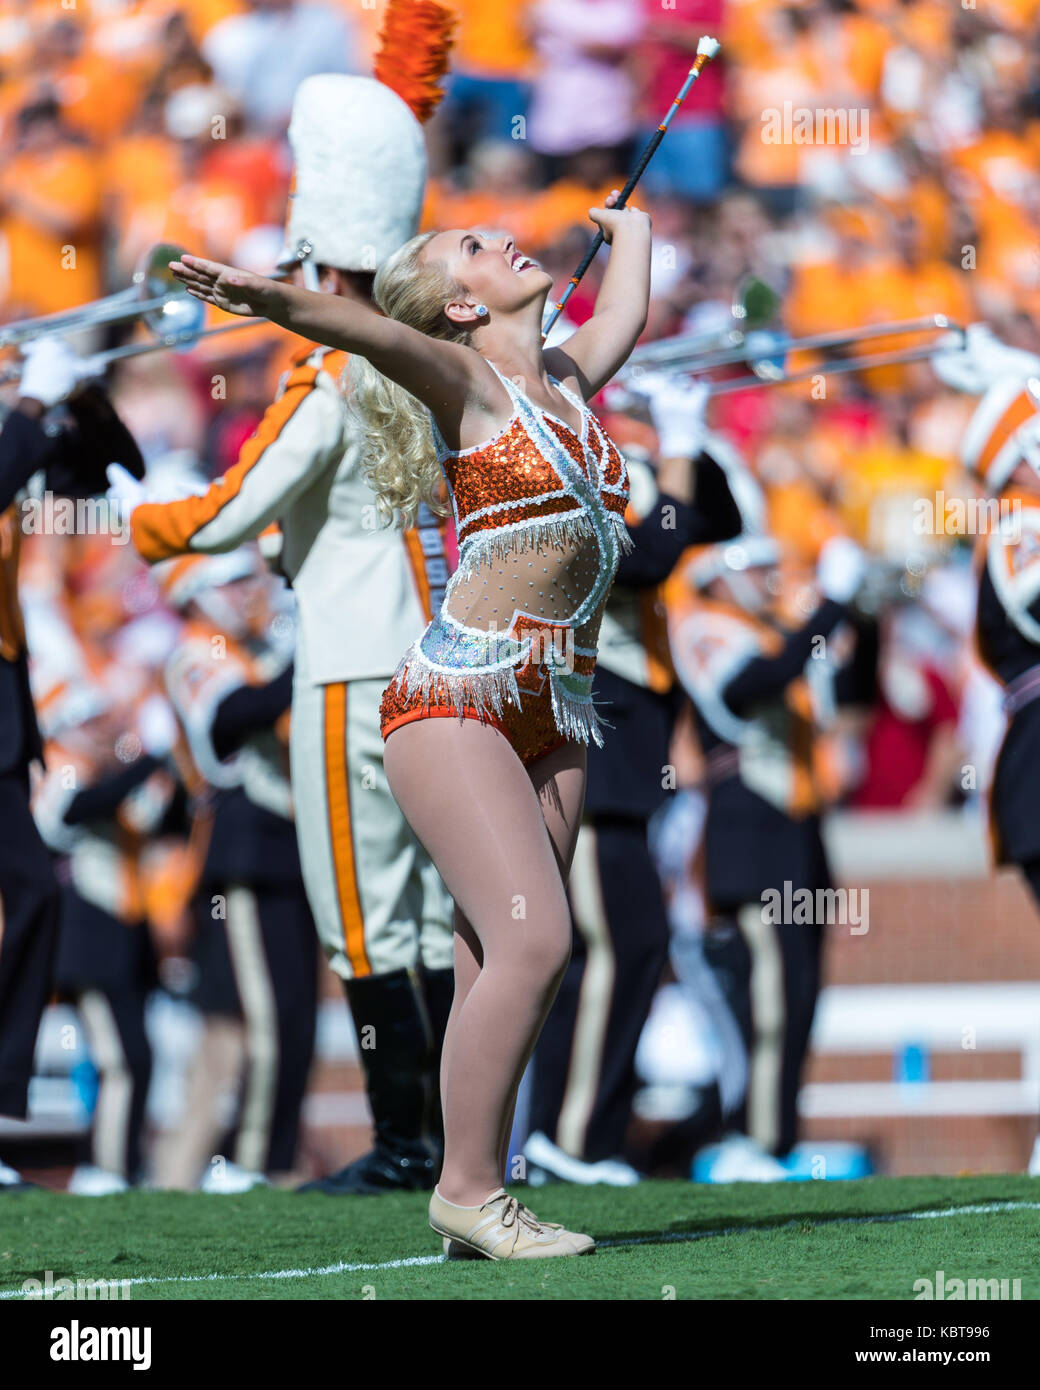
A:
x: 438, y: 373
x: 602, y: 344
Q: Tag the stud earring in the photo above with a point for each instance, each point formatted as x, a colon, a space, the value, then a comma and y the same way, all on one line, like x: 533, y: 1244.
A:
x: 481, y: 310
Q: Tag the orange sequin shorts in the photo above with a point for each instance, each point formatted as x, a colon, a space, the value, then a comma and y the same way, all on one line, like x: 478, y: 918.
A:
x: 453, y: 671
x: 531, y: 730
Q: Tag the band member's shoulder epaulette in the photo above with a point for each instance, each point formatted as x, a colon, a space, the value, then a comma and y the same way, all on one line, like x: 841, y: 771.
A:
x: 711, y: 641
x: 1012, y: 557
x: 309, y: 362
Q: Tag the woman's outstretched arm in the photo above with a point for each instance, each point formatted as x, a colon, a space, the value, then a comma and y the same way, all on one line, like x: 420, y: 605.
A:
x: 602, y: 344
x: 438, y: 373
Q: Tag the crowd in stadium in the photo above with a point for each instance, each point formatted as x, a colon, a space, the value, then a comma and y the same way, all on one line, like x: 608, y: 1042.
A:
x: 124, y: 125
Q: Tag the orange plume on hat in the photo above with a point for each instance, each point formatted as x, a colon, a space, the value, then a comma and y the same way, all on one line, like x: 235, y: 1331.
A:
x: 414, y: 45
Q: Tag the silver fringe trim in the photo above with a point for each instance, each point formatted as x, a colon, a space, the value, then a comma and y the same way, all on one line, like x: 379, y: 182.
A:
x: 556, y: 532
x: 621, y: 532
x: 488, y: 691
x: 575, y: 715
x: 484, y: 691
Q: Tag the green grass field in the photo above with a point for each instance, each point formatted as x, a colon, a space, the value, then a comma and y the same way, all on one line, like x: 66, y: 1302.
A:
x: 826, y: 1240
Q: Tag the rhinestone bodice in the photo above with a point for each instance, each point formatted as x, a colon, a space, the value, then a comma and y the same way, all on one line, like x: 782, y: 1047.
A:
x: 539, y: 515
x: 538, y: 509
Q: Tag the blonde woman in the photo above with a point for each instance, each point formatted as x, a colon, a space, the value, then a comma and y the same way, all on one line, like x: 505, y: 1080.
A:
x: 487, y: 719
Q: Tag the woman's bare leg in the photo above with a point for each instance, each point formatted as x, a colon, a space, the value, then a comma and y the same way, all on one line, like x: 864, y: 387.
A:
x: 468, y: 960
x: 483, y: 822
x: 559, y: 780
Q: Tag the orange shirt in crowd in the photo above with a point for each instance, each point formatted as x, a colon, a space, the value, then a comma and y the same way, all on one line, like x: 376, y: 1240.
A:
x: 746, y: 30
x: 800, y: 519
x: 1017, y: 14
x: 98, y: 97
x: 926, y: 25
x: 829, y: 296
x: 141, y: 167
x: 849, y: 53
x: 879, y: 491
x: 761, y: 161
x: 1008, y: 267
x: 492, y: 40
x: 826, y: 295
x: 45, y: 269
x: 534, y: 217
x: 999, y: 164
x: 894, y: 292
x: 200, y: 15
x: 929, y: 204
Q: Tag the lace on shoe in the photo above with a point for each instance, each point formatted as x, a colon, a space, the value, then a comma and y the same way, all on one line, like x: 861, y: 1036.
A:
x: 514, y: 1210
x: 545, y: 1225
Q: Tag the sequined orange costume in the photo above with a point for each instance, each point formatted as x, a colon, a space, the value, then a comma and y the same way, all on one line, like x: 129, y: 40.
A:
x: 539, y: 514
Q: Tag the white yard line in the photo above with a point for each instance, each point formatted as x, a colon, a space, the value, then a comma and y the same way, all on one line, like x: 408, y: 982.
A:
x: 664, y: 1237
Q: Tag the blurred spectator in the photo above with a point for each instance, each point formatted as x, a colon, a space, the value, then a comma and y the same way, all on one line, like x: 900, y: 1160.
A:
x: 492, y: 64
x: 263, y: 55
x: 693, y: 159
x: 50, y: 209
x: 584, y: 94
x: 913, y: 749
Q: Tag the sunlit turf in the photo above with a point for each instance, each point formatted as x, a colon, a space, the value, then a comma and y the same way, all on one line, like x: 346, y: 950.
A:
x: 658, y: 1240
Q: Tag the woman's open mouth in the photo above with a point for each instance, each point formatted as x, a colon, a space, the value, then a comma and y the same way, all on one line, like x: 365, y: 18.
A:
x: 520, y: 263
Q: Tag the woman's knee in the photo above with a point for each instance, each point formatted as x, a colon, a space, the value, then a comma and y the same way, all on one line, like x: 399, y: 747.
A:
x: 542, y: 953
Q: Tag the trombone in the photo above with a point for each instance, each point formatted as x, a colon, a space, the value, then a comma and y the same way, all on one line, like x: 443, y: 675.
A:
x: 154, y: 296
x: 764, y: 350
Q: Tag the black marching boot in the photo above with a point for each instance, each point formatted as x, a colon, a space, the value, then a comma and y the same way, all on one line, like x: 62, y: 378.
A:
x: 438, y: 992
x: 397, y: 1048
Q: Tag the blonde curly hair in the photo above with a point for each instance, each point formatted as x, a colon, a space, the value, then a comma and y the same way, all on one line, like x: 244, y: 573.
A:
x: 399, y: 462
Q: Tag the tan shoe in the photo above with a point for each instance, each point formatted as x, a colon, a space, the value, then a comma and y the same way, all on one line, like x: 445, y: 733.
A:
x: 501, y: 1229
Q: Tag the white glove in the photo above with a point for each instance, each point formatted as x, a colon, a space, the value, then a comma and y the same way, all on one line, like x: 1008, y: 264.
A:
x: 974, y: 361
x: 124, y: 492
x: 157, y: 726
x: 841, y: 569
x: 677, y: 409
x: 51, y: 371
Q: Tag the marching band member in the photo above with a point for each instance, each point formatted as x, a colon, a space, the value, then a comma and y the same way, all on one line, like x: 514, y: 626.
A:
x: 229, y: 680
x: 364, y: 591
x: 106, y: 792
x: 756, y: 690
x: 1001, y: 446
x: 583, y: 1072
x: 28, y: 892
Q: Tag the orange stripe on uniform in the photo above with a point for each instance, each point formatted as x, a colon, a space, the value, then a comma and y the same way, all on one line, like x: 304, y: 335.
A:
x: 653, y: 622
x: 1018, y: 412
x: 12, y: 628
x: 417, y: 559
x: 161, y: 530
x: 341, y: 839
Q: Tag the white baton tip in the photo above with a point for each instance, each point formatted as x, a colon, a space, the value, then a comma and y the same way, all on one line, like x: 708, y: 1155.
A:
x: 708, y: 47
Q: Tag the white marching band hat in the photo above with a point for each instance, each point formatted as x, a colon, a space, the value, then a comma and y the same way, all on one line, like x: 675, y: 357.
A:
x: 359, y: 175
x: 754, y: 547
x: 748, y: 551
x: 186, y: 578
